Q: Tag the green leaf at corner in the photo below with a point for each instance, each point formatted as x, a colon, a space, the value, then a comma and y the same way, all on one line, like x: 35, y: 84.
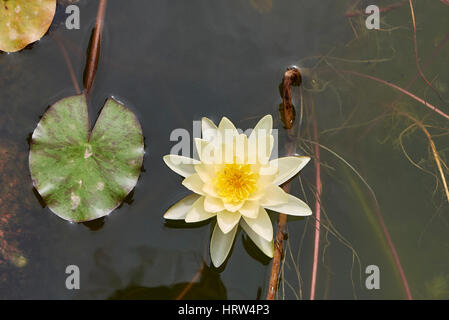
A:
x: 81, y: 175
x: 23, y: 22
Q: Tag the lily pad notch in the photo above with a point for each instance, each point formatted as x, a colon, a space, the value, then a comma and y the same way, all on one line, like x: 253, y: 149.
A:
x: 85, y: 174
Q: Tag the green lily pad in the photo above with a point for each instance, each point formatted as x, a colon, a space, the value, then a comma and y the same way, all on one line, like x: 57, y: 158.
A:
x: 84, y: 175
x: 23, y: 22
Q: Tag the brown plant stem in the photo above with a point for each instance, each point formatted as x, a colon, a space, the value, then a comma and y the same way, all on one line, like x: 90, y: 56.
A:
x: 431, y: 58
x: 316, y: 247
x: 190, y: 284
x: 57, y: 38
x: 292, y: 77
x: 94, y: 50
x: 433, y: 148
x: 278, y: 253
x: 280, y: 234
x: 393, y: 250
x: 415, y: 44
x: 391, y: 85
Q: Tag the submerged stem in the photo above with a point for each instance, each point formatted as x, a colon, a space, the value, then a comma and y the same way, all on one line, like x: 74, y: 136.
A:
x: 415, y: 44
x: 191, y: 283
x: 316, y: 246
x: 436, y: 156
x: 67, y: 61
x: 424, y: 102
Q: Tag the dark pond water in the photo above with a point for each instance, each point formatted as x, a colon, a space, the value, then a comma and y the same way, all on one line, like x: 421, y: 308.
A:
x: 173, y: 62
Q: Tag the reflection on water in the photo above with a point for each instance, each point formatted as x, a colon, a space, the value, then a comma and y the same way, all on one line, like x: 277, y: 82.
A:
x: 175, y: 62
x: 144, y: 272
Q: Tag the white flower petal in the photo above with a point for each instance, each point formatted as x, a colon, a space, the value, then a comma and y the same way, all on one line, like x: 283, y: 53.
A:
x: 294, y: 207
x: 263, y: 182
x: 197, y: 212
x: 264, y: 126
x: 265, y: 246
x: 260, y: 146
x: 212, y: 204
x: 226, y: 129
x: 208, y: 128
x: 201, y: 146
x: 261, y: 141
x: 250, y: 209
x: 221, y: 244
x: 179, y: 210
x: 183, y: 166
x: 209, y: 190
x: 273, y: 196
x: 194, y: 183
x: 205, y: 171
x: 288, y: 167
x: 233, y: 207
x: 261, y: 225
x: 228, y: 220
x: 240, y: 150
x: 265, y: 153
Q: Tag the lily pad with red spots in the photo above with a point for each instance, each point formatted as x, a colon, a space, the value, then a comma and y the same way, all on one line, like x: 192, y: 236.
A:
x: 81, y: 174
x: 23, y: 22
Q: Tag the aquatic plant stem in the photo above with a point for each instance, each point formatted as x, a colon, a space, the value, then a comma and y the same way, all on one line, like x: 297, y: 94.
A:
x: 391, y: 85
x: 393, y: 251
x: 292, y: 77
x: 415, y: 44
x: 378, y: 214
x: 94, y: 52
x: 190, y: 284
x: 435, y: 154
x: 280, y: 234
x: 278, y: 253
x: 67, y: 61
x: 316, y: 246
x: 429, y: 59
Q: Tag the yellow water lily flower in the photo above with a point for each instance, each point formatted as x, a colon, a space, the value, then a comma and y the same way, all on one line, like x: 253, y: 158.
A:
x: 235, y: 180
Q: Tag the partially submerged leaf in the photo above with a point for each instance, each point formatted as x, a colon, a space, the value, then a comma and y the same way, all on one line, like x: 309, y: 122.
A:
x: 23, y: 22
x: 84, y: 176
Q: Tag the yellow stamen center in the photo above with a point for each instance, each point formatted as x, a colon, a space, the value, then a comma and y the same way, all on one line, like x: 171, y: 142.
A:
x: 235, y: 182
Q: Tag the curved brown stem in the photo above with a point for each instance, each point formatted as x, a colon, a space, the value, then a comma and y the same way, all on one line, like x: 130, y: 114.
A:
x: 436, y: 156
x: 94, y: 50
x: 278, y: 253
x: 292, y: 77
x: 391, y: 85
x: 415, y: 44
x: 190, y: 284
x: 67, y: 61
